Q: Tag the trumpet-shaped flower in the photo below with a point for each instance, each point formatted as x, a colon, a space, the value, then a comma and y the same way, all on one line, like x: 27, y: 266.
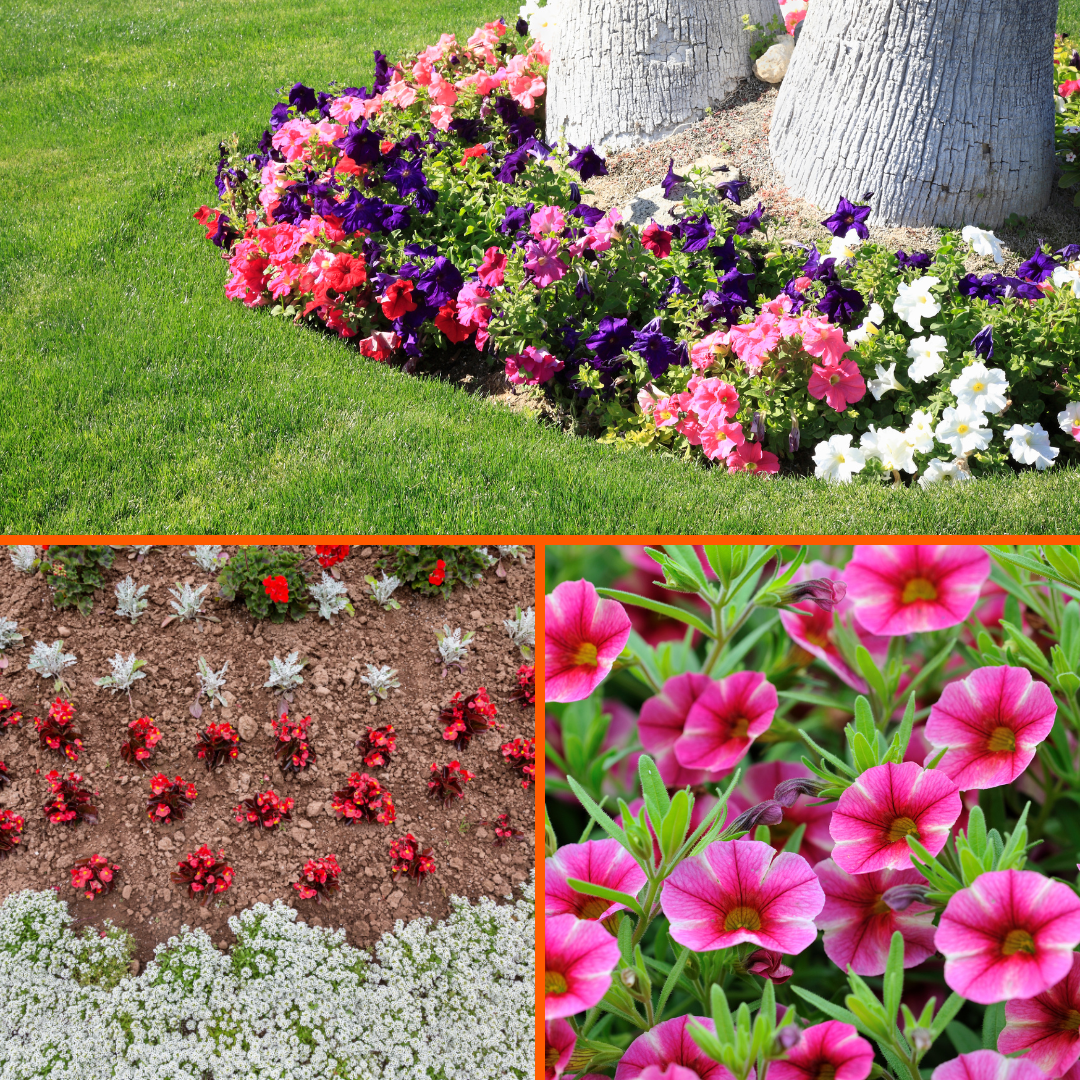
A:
x: 583, y: 635
x: 844, y: 247
x: 980, y: 388
x: 839, y: 384
x: 1069, y: 420
x: 858, y: 924
x: 662, y: 721
x: 886, y: 380
x: 989, y: 725
x: 938, y: 472
x: 926, y: 359
x: 669, y: 1044
x: 920, y: 431
x: 1030, y: 445
x: 836, y: 460
x: 1047, y: 1025
x: 983, y: 242
x: 1063, y: 276
x: 724, y: 720
x: 887, y: 804
x: 911, y: 589
x: 828, y: 1051
x: 962, y: 430
x: 734, y: 892
x: 890, y: 447
x: 559, y: 1043
x: 599, y: 862
x: 915, y: 302
x: 579, y: 957
x: 1010, y: 934
x: 987, y: 1065
x: 870, y: 326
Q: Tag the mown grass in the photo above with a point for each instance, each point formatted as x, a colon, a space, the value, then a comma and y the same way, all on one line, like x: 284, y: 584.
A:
x: 135, y: 398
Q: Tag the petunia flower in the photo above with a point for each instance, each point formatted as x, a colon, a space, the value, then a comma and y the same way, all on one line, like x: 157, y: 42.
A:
x: 1069, y: 420
x: 734, y: 892
x: 909, y: 589
x: 543, y: 262
x: 583, y: 635
x: 588, y: 164
x: 724, y: 720
x: 839, y: 384
x: 599, y: 862
x: 938, y: 471
x: 858, y: 924
x: 669, y: 1044
x: 883, y: 807
x: 559, y: 1043
x: 983, y: 242
x: 547, y: 221
x: 579, y: 957
x: 1030, y: 445
x: 870, y: 328
x: 656, y: 240
x: 983, y: 342
x: 492, y: 269
x: 925, y: 355
x: 836, y: 460
x: 920, y: 431
x: 981, y: 388
x: 1010, y: 934
x: 915, y: 302
x: 963, y: 430
x: 890, y: 447
x: 989, y: 725
x: 662, y: 721
x: 532, y: 367
x: 987, y: 1065
x: 828, y: 1051
x: 671, y: 179
x: 1047, y: 1025
x: 848, y: 217
x: 750, y: 457
x: 917, y: 260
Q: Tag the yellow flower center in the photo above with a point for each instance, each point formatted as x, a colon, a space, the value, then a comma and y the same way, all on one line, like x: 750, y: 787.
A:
x: 1002, y: 740
x: 551, y: 1056
x: 586, y: 655
x: 918, y: 589
x: 742, y: 918
x: 592, y: 907
x: 978, y: 387
x: 962, y: 429
x: 880, y: 908
x: 901, y: 827
x: 1069, y: 1021
x: 840, y: 459
x: 740, y: 728
x: 555, y: 982
x: 826, y: 1071
x: 1017, y: 941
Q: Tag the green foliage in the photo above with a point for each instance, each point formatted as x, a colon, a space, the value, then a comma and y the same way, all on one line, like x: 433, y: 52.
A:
x: 74, y: 572
x: 415, y: 563
x: 96, y: 964
x: 764, y: 36
x: 244, y: 574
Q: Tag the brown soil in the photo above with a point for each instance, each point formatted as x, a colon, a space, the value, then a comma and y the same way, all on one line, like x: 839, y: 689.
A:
x: 145, y: 902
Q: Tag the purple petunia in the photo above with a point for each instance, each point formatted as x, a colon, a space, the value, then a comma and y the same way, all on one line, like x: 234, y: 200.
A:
x: 360, y: 143
x: 303, y: 97
x: 985, y: 287
x: 697, y: 233
x: 818, y: 269
x: 516, y: 217
x: 440, y: 282
x: 848, y: 216
x: 1038, y: 268
x: 725, y: 257
x: 612, y: 338
x: 588, y: 164
x: 279, y: 115
x: 750, y: 222
x: 983, y: 342
x: 732, y: 190
x: 841, y: 305
x: 359, y: 212
x: 917, y: 260
x: 671, y: 179
x: 657, y: 350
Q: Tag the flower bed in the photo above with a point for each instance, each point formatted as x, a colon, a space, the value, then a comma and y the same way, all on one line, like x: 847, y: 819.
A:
x: 425, y: 216
x: 835, y: 794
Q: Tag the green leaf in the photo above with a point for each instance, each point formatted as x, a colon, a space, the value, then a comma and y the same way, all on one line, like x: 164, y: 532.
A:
x: 734, y: 653
x: 721, y: 1014
x: 993, y: 1024
x: 601, y: 817
x: 660, y: 608
x: 837, y: 1012
x: 671, y: 981
x: 953, y: 1004
x: 870, y: 672
x: 893, y: 982
x: 616, y: 897
x: 653, y: 789
x: 794, y: 841
x: 673, y: 828
x: 964, y: 1040
x: 976, y: 830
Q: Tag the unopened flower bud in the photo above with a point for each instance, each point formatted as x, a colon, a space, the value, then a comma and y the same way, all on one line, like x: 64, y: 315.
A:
x: 795, y: 437
x: 765, y: 813
x: 787, y: 791
x: 628, y: 977
x: 901, y: 897
x: 757, y: 427
x: 789, y: 1036
x: 922, y: 1040
x: 824, y: 592
x: 768, y: 965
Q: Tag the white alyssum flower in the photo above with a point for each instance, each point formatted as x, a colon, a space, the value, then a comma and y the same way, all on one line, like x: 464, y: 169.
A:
x: 522, y: 627
x: 9, y: 633
x: 383, y: 590
x: 129, y: 599
x: 189, y: 601
x: 380, y: 681
x: 24, y: 557
x: 870, y: 327
x: 983, y: 242
x: 1063, y: 276
x: 512, y: 551
x: 920, y: 431
x: 915, y: 302
x: 285, y: 674
x: 1069, y: 419
x: 210, y: 557
x: 926, y: 357
x: 453, y: 647
x: 49, y: 661
x: 211, y: 682
x: 331, y: 595
x: 836, y: 460
x: 1031, y: 445
x: 963, y: 430
x: 886, y: 380
x: 938, y: 472
x: 890, y: 447
x: 981, y: 388
x: 844, y: 247
x: 125, y: 673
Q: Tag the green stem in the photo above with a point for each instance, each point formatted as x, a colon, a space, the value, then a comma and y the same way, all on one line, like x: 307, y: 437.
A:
x: 644, y: 920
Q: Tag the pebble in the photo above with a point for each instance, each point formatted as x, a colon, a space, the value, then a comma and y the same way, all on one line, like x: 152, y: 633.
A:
x: 126, y: 892
x: 63, y: 631
x: 247, y: 727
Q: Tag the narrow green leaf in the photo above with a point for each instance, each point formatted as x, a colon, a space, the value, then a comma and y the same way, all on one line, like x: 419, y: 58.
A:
x: 721, y: 1014
x: 671, y: 981
x: 893, y: 983
x: 794, y: 841
x: 616, y: 897
x: 653, y: 790
x: 993, y: 1024
x: 601, y: 817
x: 660, y: 608
x: 837, y: 1012
x: 964, y: 1040
x: 953, y: 1004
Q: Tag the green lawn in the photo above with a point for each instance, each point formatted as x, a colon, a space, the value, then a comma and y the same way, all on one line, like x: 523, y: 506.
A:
x: 135, y: 398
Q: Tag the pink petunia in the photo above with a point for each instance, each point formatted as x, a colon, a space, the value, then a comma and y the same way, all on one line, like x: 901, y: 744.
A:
x: 991, y: 722
x: 713, y: 399
x: 661, y: 724
x: 704, y: 353
x: 579, y: 957
x: 749, y: 457
x: 820, y: 338
x: 291, y: 138
x: 441, y: 92
x: 532, y: 367
x: 910, y: 589
x: 527, y: 90
x: 832, y: 1049
x: 492, y: 269
x: 667, y: 1044
x: 472, y: 311
x: 442, y: 116
x: 720, y: 438
x: 599, y: 862
x: 724, y: 720
x: 752, y: 342
x: 858, y: 924
x: 734, y: 892
x: 583, y: 635
x: 839, y: 384
x: 1047, y: 1025
x: 1010, y: 934
x: 346, y: 108
x: 548, y: 220
x: 987, y: 1065
x: 671, y: 1071
x: 543, y: 262
x: 883, y: 807
x: 559, y: 1043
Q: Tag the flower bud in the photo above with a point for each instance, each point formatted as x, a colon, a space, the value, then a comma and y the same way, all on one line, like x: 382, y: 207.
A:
x: 824, y: 592
x: 921, y: 1039
x: 901, y: 897
x: 768, y: 965
x: 787, y: 791
x: 628, y: 977
x: 765, y: 813
x: 757, y: 427
x: 789, y: 1036
x: 795, y: 437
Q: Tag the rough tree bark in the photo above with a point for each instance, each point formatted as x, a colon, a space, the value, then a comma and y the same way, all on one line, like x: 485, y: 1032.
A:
x: 625, y: 72
x: 943, y: 108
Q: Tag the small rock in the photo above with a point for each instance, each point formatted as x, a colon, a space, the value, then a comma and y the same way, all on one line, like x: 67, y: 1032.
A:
x: 475, y: 616
x: 134, y: 966
x: 245, y: 781
x: 310, y: 775
x: 247, y: 727
x: 314, y: 809
x: 304, y: 823
x: 394, y: 899
x: 322, y: 691
x: 320, y: 677
x: 772, y: 65
x: 365, y: 553
x: 165, y: 844
x: 126, y: 892
x: 456, y: 864
x: 297, y: 834
x: 64, y: 631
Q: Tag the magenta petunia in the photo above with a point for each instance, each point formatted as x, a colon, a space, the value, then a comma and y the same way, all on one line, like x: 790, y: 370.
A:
x: 559, y: 1042
x: 583, y: 636
x: 887, y: 804
x: 1010, y: 934
x: 668, y: 1072
x: 599, y: 862
x: 831, y: 1050
x: 858, y: 924
x: 667, y: 1044
x: 579, y: 957
x: 909, y: 589
x: 1047, y: 1026
x: 987, y: 1065
x: 661, y: 724
x: 724, y: 720
x: 743, y: 891
x: 991, y: 722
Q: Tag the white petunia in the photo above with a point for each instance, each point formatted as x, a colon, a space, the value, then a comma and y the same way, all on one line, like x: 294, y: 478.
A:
x: 1031, y: 445
x: 926, y: 357
x: 1060, y: 104
x: 920, y: 431
x: 871, y: 326
x: 885, y: 381
x: 983, y: 242
x: 836, y: 460
x: 962, y: 430
x: 844, y: 247
x: 916, y: 302
x: 939, y: 471
x: 890, y: 447
x: 982, y: 388
x: 1069, y: 419
x: 1063, y: 276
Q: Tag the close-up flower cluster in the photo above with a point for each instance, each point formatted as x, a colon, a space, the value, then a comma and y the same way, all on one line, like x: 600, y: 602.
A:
x: 812, y: 812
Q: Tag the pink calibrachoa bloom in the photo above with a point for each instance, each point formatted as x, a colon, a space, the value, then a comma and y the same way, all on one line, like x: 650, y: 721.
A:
x: 839, y: 384
x: 582, y: 638
x: 991, y: 722
x: 734, y: 892
x: 987, y: 1065
x: 548, y: 220
x: 543, y: 262
x: 579, y: 957
x: 859, y: 925
x: 725, y: 719
x: 670, y: 1072
x: 532, y: 367
x: 749, y: 457
x: 832, y: 1050
x: 909, y: 589
x: 1010, y: 934
x: 669, y: 1043
x: 599, y: 862
x: 887, y: 804
x: 661, y: 724
x: 559, y: 1043
x: 752, y: 342
x: 1047, y: 1026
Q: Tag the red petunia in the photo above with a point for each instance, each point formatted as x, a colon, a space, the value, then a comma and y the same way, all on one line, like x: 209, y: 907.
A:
x: 345, y: 273
x: 277, y: 588
x: 656, y: 240
x: 447, y: 322
x: 397, y: 300
x: 473, y: 151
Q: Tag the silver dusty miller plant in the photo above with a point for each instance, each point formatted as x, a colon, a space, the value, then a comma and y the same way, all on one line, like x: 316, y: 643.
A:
x: 24, y: 556
x: 453, y: 647
x: 285, y: 674
x: 380, y: 681
x: 50, y: 661
x: 512, y: 551
x: 9, y: 633
x: 125, y: 674
x: 331, y: 596
x: 522, y: 630
x: 209, y: 557
x: 211, y: 682
x: 189, y: 601
x: 383, y: 590
x: 489, y: 559
x: 129, y: 599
